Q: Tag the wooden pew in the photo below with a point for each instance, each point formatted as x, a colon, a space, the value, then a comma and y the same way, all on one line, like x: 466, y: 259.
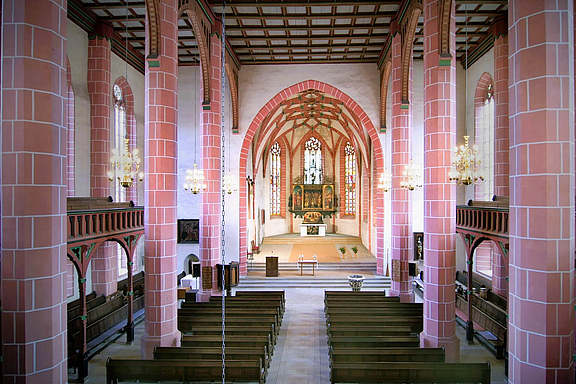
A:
x: 76, y: 303
x: 356, y: 294
x: 215, y: 310
x: 188, y: 321
x: 182, y: 370
x: 213, y: 353
x: 255, y: 330
x: 90, y: 304
x: 368, y: 342
x: 236, y: 304
x: 410, y: 372
x: 246, y: 300
x: 382, y: 355
x: 406, y: 309
x: 414, y: 322
x: 359, y: 304
x: 239, y: 341
x: 375, y: 330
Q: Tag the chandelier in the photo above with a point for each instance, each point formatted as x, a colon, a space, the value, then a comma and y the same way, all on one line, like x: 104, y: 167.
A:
x: 228, y: 184
x: 465, y: 167
x: 411, y: 177
x: 385, y: 181
x: 194, y: 181
x: 125, y: 166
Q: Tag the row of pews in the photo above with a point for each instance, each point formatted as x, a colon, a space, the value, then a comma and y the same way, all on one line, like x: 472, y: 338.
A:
x: 373, y: 338
x: 103, y: 313
x: 253, y: 321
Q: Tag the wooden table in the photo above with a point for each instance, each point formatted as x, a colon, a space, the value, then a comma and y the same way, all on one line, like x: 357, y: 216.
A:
x: 314, y: 263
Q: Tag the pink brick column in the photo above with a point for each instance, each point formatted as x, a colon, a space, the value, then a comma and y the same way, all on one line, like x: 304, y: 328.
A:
x: 501, y: 153
x: 401, y: 152
x: 105, y: 263
x: 33, y: 221
x: 210, y: 138
x: 541, y: 298
x: 160, y: 183
x: 439, y: 194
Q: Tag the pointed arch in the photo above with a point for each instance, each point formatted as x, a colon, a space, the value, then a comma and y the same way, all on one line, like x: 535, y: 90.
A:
x: 384, y: 86
x: 263, y: 114
x: 202, y: 29
x: 408, y: 32
x: 154, y: 40
x: 445, y: 15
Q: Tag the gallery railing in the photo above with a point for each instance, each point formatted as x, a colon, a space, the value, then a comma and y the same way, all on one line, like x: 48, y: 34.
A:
x: 89, y: 225
x: 488, y: 221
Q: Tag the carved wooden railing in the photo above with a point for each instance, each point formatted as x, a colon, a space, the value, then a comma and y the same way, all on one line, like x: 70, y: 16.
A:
x: 488, y: 221
x: 93, y: 224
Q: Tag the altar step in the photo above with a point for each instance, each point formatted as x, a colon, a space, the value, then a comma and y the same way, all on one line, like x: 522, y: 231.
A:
x: 297, y: 239
x: 352, y: 266
x: 264, y: 283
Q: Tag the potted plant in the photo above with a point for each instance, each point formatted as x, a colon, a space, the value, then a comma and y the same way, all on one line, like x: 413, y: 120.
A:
x: 343, y: 251
x: 355, y: 250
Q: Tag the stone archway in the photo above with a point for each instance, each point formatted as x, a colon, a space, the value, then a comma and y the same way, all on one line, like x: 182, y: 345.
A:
x: 359, y: 115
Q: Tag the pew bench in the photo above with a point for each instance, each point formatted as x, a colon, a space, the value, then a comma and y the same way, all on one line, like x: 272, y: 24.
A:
x: 410, y: 372
x: 382, y: 355
x: 256, y: 330
x: 213, y: 353
x: 277, y: 301
x: 364, y: 343
x: 254, y: 305
x: 240, y: 341
x: 215, y: 310
x: 185, y: 321
x: 375, y: 330
x: 387, y: 311
x: 182, y: 370
x: 414, y: 322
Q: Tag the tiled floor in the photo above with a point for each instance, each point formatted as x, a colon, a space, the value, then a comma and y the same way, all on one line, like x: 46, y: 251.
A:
x: 301, y: 354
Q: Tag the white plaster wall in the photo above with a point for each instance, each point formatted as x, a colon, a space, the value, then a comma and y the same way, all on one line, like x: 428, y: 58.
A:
x: 78, y: 57
x: 465, y: 119
x: 189, y: 151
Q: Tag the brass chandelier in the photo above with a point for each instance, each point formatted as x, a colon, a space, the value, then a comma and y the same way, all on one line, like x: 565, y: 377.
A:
x: 385, y: 181
x: 411, y: 177
x: 465, y: 167
x: 194, y: 180
x: 228, y: 184
x: 125, y: 166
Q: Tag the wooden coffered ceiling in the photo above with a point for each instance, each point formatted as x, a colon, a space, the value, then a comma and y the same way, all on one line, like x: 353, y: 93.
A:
x: 289, y: 31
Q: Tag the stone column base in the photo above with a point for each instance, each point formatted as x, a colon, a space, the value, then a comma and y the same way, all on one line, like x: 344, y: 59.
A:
x: 405, y: 297
x: 149, y: 342
x: 451, y: 346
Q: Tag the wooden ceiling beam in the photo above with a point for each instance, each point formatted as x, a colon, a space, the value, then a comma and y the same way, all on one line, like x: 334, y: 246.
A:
x: 329, y: 38
x: 137, y: 4
x: 367, y: 15
x: 293, y: 3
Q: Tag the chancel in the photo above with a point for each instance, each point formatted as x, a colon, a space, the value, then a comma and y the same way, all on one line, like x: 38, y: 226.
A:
x: 317, y: 191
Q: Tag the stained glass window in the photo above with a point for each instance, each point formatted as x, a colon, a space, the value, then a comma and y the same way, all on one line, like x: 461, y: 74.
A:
x: 275, y: 181
x: 350, y: 179
x: 312, y: 161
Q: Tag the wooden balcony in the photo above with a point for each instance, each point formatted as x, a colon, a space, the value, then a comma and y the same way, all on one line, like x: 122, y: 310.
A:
x: 481, y: 220
x: 87, y: 226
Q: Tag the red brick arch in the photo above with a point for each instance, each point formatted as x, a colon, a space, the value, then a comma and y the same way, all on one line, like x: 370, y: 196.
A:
x: 270, y: 106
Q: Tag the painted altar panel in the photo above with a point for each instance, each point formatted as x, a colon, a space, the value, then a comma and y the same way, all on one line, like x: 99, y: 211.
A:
x: 313, y: 197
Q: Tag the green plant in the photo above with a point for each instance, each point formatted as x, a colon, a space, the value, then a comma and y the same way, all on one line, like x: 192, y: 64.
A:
x: 354, y: 249
x: 342, y: 249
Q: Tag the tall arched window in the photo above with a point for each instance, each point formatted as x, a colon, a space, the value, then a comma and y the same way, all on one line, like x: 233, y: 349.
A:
x: 275, y: 180
x: 350, y: 179
x: 312, y: 161
x: 119, y: 134
x: 485, y: 142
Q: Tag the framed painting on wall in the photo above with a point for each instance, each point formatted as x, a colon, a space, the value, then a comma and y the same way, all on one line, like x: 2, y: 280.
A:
x: 418, y: 245
x: 188, y: 231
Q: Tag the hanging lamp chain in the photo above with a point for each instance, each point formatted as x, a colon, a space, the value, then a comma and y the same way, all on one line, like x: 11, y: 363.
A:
x: 223, y: 192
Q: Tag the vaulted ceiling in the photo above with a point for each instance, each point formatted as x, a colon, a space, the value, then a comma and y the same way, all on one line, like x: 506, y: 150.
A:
x: 289, y: 31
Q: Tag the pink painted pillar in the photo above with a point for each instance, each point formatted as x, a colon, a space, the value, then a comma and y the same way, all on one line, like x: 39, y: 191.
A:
x: 439, y: 194
x: 105, y: 263
x: 401, y: 199
x: 210, y: 139
x: 501, y: 153
x: 33, y: 221
x: 160, y: 183
x: 541, y: 298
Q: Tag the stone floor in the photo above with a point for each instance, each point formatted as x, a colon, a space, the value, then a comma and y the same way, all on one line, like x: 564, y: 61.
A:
x: 301, y: 354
